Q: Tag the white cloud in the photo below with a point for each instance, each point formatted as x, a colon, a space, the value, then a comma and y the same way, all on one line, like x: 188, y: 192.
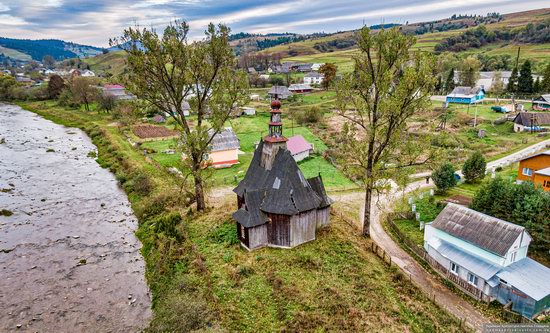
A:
x: 10, y: 20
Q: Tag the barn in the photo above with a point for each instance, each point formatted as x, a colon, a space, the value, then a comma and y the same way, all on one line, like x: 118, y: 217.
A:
x: 277, y: 205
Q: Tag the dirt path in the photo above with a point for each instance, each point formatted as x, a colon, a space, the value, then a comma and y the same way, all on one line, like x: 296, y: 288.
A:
x: 425, y: 280
x: 69, y: 259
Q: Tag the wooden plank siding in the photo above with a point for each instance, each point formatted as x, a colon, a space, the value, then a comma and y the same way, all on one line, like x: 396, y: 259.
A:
x: 278, y: 230
x: 323, y: 217
x: 257, y: 236
x: 302, y: 227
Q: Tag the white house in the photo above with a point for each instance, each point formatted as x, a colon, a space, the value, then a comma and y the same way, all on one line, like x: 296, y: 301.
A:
x: 487, y: 79
x: 314, y: 78
x: 490, y: 256
x: 315, y: 67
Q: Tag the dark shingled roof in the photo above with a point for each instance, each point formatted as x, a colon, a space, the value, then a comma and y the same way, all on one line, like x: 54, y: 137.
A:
x: 484, y: 231
x: 226, y: 139
x: 540, y: 118
x: 466, y: 91
x: 318, y: 186
x: 285, y: 189
x: 280, y: 91
x: 251, y: 216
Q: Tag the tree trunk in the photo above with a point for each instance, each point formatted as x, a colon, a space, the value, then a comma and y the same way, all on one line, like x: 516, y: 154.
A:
x: 199, y: 193
x: 367, y: 213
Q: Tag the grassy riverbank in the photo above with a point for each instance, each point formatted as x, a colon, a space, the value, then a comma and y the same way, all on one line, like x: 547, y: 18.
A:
x: 201, y: 278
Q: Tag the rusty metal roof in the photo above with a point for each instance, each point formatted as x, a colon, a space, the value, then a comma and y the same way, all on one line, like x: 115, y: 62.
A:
x: 484, y: 231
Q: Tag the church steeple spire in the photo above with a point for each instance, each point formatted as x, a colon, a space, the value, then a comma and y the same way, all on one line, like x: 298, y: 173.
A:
x: 274, y: 140
x: 275, y: 124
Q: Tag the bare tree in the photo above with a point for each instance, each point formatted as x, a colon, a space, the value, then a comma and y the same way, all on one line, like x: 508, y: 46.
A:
x: 388, y: 86
x: 167, y: 70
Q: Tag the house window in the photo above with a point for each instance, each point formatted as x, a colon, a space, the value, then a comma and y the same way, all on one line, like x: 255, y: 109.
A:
x: 527, y: 172
x: 454, y: 268
x: 472, y: 279
x: 513, y: 257
x: 547, y: 183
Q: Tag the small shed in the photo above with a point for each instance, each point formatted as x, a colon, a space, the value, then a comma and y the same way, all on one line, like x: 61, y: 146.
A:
x: 224, y: 148
x: 531, y: 121
x: 466, y: 95
x: 299, y: 148
x: 248, y: 110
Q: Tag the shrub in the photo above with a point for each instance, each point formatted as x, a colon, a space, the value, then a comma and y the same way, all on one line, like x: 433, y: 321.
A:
x: 474, y: 167
x: 187, y: 312
x: 444, y: 177
x: 225, y: 233
x: 310, y: 115
x: 168, y: 224
x: 142, y: 184
x: 152, y: 207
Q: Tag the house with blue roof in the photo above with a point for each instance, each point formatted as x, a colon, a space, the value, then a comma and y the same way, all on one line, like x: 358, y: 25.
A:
x: 466, y: 95
x: 489, y: 257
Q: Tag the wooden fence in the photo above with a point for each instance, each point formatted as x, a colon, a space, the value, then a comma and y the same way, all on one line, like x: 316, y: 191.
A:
x: 440, y: 269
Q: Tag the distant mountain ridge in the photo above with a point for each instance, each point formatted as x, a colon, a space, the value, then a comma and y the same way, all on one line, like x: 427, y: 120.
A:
x: 56, y: 48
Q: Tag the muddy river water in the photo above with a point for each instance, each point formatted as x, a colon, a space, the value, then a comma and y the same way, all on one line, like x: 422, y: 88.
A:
x: 69, y: 259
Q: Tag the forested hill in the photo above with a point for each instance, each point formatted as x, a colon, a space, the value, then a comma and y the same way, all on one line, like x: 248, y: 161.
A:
x: 56, y: 48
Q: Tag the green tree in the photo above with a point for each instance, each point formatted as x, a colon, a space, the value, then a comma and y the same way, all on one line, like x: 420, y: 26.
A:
x: 7, y: 84
x: 474, y: 167
x: 513, y: 81
x: 497, y: 86
x: 545, y: 83
x: 168, y: 69
x: 523, y: 204
x: 55, y: 86
x: 387, y: 87
x: 107, y: 102
x: 329, y: 71
x: 469, y: 71
x: 525, y: 80
x: 48, y: 61
x: 537, y: 86
x: 444, y: 177
x: 450, y: 82
x: 84, y: 91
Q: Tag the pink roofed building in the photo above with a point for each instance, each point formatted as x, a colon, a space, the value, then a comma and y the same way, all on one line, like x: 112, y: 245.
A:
x: 299, y: 148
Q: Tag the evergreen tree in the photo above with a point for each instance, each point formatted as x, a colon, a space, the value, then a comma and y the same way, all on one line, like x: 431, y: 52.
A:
x: 474, y: 167
x: 536, y: 86
x: 450, y: 82
x: 525, y: 80
x: 438, y: 85
x: 545, y: 84
x: 444, y: 177
x: 513, y: 81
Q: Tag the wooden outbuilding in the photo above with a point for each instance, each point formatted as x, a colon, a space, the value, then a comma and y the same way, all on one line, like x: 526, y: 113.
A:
x: 277, y: 205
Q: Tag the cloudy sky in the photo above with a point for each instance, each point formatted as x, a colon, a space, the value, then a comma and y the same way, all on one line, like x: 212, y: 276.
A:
x: 93, y: 22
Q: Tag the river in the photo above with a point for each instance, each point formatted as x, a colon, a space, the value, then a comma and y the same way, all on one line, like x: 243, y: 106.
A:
x: 69, y: 259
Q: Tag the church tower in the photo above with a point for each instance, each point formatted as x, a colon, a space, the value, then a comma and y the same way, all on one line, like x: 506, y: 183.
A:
x: 274, y: 140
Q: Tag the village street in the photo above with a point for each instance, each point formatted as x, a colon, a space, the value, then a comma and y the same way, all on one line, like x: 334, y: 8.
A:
x: 429, y: 284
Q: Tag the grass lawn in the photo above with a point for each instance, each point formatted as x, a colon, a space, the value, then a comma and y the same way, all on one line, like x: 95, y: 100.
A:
x: 411, y: 228
x: 250, y: 129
